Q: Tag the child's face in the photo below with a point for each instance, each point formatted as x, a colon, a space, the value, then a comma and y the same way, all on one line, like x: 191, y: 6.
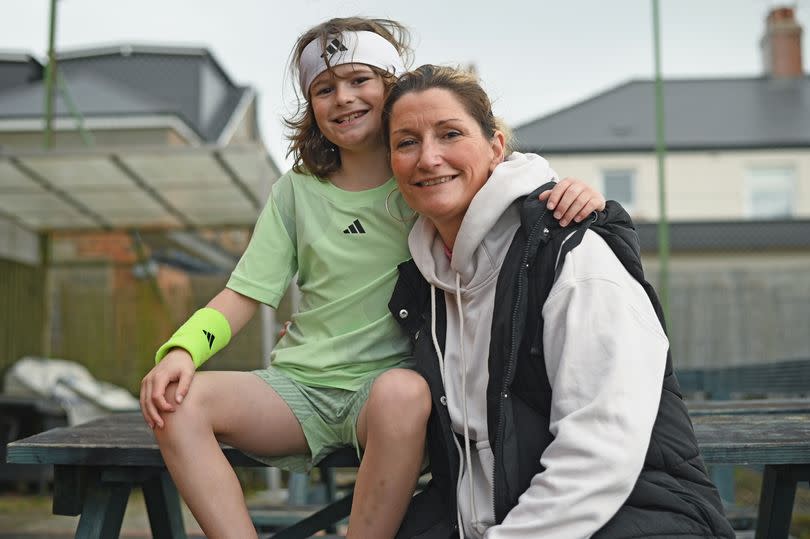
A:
x: 348, y: 106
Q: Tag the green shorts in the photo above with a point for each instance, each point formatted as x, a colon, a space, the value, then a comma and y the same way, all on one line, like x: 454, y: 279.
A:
x: 328, y: 417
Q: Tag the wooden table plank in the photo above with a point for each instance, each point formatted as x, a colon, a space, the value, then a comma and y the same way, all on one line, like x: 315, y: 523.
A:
x: 744, y: 407
x: 754, y: 438
x: 118, y: 440
x: 125, y: 440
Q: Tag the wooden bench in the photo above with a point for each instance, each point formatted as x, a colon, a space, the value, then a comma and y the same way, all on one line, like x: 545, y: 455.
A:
x: 782, y: 378
x: 97, y: 464
x: 785, y: 378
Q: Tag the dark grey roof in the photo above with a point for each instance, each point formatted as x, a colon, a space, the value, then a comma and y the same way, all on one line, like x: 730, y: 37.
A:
x: 17, y: 69
x: 700, y: 114
x: 92, y: 95
x: 133, y: 80
x: 706, y: 236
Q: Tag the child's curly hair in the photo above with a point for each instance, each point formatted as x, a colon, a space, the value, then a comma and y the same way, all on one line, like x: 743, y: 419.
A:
x: 311, y: 151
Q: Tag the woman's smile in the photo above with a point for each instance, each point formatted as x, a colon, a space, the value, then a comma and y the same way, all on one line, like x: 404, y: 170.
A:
x: 439, y: 155
x: 435, y: 181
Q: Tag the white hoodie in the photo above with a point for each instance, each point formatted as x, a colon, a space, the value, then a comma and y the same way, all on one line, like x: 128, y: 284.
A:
x: 605, y: 354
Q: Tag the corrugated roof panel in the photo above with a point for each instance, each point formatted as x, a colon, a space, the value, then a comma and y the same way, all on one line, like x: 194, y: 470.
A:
x: 162, y: 171
x: 253, y: 167
x: 20, y: 203
x: 14, y: 181
x: 80, y: 173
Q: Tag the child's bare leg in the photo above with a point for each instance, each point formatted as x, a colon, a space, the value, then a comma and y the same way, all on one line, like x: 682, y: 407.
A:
x: 391, y: 427
x: 241, y: 410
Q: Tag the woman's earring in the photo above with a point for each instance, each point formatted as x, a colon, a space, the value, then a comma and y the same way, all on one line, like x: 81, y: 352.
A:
x: 404, y: 221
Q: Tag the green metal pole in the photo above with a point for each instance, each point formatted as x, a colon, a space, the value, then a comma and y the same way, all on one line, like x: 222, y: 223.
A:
x: 87, y: 136
x: 50, y: 72
x: 661, y: 152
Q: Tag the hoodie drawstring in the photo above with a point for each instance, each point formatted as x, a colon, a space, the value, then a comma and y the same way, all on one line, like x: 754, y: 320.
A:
x: 467, y: 453
x: 439, y: 354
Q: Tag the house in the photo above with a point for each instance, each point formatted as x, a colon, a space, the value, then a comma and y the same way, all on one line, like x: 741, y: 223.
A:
x: 160, y: 137
x: 156, y: 171
x: 737, y: 195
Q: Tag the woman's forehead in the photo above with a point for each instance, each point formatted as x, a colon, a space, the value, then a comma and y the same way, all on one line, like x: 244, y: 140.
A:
x: 438, y: 103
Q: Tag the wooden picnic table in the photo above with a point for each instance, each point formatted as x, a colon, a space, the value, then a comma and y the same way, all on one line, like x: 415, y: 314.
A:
x: 97, y: 464
x: 749, y: 406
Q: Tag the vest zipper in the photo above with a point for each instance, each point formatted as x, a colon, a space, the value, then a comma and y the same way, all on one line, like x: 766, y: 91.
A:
x: 507, y: 379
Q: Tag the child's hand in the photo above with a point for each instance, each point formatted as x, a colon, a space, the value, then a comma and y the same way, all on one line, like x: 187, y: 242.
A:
x: 571, y: 199
x: 177, y: 367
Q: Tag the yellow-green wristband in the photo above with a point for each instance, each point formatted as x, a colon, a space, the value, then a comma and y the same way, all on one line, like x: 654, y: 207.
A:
x: 203, y: 335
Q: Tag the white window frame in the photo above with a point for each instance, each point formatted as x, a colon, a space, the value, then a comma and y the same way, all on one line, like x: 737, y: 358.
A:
x: 755, y: 175
x: 629, y: 205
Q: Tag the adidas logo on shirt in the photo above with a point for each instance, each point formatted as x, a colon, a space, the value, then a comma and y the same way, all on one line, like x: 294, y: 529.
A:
x: 355, y: 228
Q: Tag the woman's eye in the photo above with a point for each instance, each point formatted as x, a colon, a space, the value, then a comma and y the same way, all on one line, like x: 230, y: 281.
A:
x: 405, y: 143
x: 452, y: 134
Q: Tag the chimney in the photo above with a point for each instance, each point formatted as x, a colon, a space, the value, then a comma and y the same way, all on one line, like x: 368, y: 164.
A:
x: 782, y: 44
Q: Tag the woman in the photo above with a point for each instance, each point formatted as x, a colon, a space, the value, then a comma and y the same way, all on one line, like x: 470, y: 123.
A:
x: 582, y: 432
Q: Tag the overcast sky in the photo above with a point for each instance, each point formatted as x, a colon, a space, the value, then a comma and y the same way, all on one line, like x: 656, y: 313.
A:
x: 533, y: 56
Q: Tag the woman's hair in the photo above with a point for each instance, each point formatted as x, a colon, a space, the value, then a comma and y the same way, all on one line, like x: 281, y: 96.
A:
x: 312, y: 152
x: 463, y: 84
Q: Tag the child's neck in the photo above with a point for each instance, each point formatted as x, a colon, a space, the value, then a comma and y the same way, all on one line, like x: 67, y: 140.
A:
x: 361, y: 170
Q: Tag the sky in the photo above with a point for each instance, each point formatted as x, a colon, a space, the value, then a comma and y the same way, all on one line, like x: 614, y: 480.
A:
x: 533, y: 56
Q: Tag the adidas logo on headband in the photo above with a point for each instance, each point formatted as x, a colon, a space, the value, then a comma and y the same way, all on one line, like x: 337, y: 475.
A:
x: 347, y: 48
x: 334, y: 46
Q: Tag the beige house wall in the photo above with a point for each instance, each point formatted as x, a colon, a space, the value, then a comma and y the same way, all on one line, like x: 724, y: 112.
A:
x: 700, y: 185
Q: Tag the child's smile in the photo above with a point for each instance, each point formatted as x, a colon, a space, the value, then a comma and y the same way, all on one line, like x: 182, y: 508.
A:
x: 347, y: 104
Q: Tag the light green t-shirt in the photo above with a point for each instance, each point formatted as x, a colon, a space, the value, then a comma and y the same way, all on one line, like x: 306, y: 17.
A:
x: 345, y: 247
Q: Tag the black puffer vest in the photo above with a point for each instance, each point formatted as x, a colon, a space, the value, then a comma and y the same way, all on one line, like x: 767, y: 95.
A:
x: 673, y: 496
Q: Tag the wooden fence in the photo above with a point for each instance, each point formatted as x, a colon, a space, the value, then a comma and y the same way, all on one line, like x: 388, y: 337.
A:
x: 112, y: 323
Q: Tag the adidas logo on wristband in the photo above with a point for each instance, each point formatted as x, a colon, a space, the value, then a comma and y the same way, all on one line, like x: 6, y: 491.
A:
x: 210, y: 337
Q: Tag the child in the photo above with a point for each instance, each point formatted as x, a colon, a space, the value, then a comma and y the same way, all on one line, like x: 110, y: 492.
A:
x: 339, y: 376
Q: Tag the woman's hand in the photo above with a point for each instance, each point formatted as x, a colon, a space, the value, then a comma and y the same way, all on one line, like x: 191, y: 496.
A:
x: 178, y: 367
x: 572, y: 199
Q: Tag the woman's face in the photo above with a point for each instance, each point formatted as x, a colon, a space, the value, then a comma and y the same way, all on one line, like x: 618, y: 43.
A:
x: 439, y: 155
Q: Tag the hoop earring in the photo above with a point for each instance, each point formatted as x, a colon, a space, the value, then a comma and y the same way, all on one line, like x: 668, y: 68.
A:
x: 388, y: 209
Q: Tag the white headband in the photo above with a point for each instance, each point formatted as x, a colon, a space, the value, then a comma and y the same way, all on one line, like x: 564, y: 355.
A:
x: 347, y: 48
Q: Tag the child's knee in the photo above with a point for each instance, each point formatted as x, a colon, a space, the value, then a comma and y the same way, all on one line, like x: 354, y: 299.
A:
x: 401, y: 395
x: 188, y: 412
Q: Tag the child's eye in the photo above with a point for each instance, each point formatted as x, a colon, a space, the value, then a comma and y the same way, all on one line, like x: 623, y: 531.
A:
x: 360, y: 80
x: 323, y: 90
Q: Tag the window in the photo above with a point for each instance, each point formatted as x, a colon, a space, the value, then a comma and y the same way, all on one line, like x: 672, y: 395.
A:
x: 769, y: 192
x: 620, y: 185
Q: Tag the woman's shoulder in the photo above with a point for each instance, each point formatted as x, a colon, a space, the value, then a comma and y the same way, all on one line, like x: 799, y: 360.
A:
x: 593, y: 258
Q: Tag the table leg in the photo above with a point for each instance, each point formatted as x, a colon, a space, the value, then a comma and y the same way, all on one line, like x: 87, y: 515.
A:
x: 163, y: 507
x: 69, y: 486
x: 776, y: 502
x: 103, y: 511
x: 324, y: 518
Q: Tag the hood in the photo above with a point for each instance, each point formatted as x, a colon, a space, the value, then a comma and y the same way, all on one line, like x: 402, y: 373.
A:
x: 486, y: 229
